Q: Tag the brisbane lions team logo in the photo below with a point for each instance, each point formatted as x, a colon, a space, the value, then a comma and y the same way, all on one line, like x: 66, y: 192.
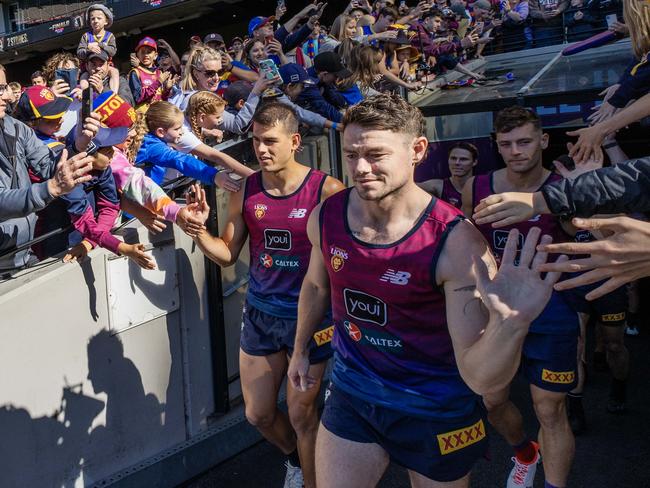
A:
x: 338, y: 258
x: 260, y: 210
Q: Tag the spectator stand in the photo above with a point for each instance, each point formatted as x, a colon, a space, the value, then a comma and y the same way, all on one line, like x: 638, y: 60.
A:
x: 562, y: 89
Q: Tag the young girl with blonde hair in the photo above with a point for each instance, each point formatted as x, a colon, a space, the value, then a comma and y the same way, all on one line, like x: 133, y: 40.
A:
x: 161, y: 125
x: 203, y: 116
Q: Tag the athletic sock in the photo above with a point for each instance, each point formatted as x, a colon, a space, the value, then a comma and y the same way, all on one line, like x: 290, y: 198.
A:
x: 574, y: 397
x: 548, y: 485
x: 525, y: 451
x: 294, y: 459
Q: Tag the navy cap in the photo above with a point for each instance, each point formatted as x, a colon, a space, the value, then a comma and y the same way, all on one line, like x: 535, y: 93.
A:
x: 213, y: 38
x: 105, y: 138
x: 294, y: 73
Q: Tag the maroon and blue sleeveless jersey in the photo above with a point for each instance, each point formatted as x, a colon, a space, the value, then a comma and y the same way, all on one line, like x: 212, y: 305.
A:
x: 391, y: 338
x: 557, y: 317
x: 450, y: 195
x: 279, y: 246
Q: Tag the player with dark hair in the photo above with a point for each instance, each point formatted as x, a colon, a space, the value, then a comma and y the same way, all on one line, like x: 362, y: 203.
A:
x: 549, y: 351
x: 462, y: 159
x: 421, y: 316
x: 272, y: 208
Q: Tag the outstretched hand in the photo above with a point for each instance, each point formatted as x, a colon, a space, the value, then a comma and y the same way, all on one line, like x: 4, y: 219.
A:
x: 503, y: 209
x: 197, y: 204
x: 517, y: 293
x: 619, y: 258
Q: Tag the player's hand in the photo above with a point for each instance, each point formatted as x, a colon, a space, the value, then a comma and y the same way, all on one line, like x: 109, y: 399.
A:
x: 197, y: 204
x: 503, y: 209
x: 189, y: 221
x: 621, y: 257
x: 298, y: 372
x: 518, y: 305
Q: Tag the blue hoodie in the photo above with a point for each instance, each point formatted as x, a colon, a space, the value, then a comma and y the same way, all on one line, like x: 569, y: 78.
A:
x: 155, y: 156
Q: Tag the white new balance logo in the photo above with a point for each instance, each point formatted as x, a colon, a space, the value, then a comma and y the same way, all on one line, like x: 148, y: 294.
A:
x: 396, y: 277
x: 297, y: 213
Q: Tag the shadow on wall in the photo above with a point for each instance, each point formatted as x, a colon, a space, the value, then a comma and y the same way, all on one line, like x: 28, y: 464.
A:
x: 56, y: 450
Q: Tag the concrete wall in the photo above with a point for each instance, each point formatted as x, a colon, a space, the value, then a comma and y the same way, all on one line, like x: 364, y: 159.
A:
x: 105, y: 365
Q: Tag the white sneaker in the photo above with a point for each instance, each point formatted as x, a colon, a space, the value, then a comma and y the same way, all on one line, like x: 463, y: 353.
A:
x: 522, y: 474
x: 293, y: 479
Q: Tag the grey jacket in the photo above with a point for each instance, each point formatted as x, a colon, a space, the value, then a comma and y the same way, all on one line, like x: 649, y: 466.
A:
x: 20, y: 201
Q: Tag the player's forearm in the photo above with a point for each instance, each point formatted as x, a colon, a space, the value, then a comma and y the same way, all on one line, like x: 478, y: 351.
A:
x: 491, y: 362
x: 313, y: 304
x: 214, y: 248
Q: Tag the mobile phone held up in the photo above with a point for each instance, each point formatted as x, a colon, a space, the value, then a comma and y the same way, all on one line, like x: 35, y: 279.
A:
x: 269, y: 70
x: 280, y: 3
x: 86, y: 103
x: 69, y: 76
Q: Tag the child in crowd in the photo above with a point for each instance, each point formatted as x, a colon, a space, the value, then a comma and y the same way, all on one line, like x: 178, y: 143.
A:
x: 43, y: 111
x: 147, y: 83
x: 139, y: 195
x: 99, y: 18
x: 162, y: 124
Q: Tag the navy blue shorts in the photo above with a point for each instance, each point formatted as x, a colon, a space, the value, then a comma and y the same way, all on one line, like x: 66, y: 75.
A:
x: 549, y: 361
x: 263, y: 334
x: 439, y: 450
x: 610, y: 310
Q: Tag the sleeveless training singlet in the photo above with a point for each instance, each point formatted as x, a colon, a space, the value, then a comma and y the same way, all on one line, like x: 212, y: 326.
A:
x: 557, y: 317
x: 391, y: 339
x: 450, y: 195
x: 279, y: 246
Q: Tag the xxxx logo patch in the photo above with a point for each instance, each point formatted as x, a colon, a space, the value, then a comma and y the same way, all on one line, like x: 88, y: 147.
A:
x: 559, y: 377
x: 460, y: 438
x: 324, y: 336
x: 613, y: 317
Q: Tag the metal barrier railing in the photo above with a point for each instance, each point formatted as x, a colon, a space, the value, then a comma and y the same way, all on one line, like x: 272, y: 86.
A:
x: 513, y: 38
